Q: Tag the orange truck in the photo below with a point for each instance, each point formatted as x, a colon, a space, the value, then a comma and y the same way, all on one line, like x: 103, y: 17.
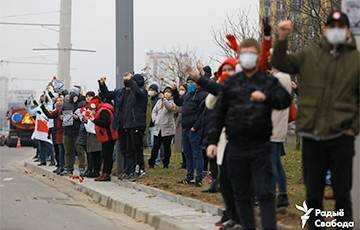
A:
x: 22, y: 125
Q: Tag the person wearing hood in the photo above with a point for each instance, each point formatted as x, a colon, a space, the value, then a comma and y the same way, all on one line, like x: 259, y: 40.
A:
x: 44, y: 145
x: 106, y: 134
x: 153, y: 92
x: 328, y: 109
x: 193, y: 103
x: 74, y: 101
x: 130, y: 121
x: 225, y: 70
x: 93, y: 146
x: 164, y: 127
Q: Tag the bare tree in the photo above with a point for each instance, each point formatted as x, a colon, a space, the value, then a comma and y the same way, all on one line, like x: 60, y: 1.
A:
x: 172, y: 68
x: 309, y: 17
x: 241, y: 26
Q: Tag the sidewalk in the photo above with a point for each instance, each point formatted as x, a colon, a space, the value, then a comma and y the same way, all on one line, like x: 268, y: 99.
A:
x: 159, y: 209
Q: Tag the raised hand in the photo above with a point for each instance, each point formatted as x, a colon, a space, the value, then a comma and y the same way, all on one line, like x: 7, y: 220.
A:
x: 284, y: 29
x: 102, y: 80
x: 193, y: 73
x: 266, y: 27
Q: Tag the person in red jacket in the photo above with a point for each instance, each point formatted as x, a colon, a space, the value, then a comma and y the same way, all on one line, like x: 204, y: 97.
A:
x: 107, y: 136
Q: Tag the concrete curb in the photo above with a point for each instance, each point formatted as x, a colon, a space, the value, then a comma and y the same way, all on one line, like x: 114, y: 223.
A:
x: 186, y: 201
x: 138, y: 211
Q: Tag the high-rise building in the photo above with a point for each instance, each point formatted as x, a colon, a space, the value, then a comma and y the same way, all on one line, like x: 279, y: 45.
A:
x: 160, y: 67
x: 308, y: 17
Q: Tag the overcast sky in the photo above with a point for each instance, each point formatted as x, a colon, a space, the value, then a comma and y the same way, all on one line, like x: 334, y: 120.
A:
x: 159, y: 26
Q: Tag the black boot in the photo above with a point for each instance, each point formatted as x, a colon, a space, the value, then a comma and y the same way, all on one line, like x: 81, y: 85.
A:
x: 282, y: 201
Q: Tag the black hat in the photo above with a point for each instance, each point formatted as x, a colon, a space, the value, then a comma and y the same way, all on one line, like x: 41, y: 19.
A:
x: 207, y: 70
x: 338, y: 16
x: 90, y: 94
x: 154, y: 87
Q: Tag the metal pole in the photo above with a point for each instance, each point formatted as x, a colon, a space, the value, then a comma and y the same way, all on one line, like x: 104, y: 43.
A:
x: 64, y: 44
x: 124, y: 39
x: 355, y: 193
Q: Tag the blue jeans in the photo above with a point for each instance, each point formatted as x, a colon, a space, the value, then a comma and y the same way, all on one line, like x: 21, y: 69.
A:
x: 192, y: 150
x: 45, y: 150
x: 279, y: 177
x: 61, y: 156
x: 150, y: 137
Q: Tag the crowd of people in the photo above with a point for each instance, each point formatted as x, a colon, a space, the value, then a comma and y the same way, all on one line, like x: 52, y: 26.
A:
x: 232, y: 123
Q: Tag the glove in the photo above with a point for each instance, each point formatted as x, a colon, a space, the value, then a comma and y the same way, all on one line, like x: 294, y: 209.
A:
x: 266, y: 27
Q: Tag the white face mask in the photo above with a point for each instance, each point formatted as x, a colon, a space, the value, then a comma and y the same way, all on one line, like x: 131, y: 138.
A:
x: 336, y: 36
x: 182, y: 92
x: 151, y: 93
x: 248, y: 60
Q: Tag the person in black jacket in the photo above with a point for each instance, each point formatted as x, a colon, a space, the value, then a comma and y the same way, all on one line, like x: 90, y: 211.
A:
x: 193, y: 104
x: 130, y: 105
x: 244, y: 107
x: 229, y: 218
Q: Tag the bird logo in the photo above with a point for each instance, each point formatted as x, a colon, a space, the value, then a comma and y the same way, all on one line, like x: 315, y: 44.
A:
x: 306, y: 211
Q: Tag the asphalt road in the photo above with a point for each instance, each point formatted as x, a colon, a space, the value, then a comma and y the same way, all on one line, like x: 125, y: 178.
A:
x: 34, y: 203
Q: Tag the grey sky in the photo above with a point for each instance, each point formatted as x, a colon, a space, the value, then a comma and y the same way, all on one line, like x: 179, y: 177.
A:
x: 159, y: 25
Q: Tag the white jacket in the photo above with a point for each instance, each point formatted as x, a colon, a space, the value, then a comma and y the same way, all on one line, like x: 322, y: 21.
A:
x: 163, y: 117
x: 210, y: 103
x: 280, y: 118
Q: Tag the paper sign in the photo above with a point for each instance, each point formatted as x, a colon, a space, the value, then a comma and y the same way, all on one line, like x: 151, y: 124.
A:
x: 68, y: 119
x: 90, y: 127
x: 59, y: 86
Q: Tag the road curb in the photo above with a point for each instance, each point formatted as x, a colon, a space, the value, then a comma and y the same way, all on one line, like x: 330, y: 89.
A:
x: 186, y: 201
x: 138, y: 211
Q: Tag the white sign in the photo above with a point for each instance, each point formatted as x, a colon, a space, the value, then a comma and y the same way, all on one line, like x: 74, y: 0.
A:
x: 90, y: 127
x: 59, y: 86
x: 352, y: 9
x: 68, y: 119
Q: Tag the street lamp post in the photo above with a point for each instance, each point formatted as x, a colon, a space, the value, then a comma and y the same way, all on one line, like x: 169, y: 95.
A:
x: 124, y: 39
x: 64, y: 45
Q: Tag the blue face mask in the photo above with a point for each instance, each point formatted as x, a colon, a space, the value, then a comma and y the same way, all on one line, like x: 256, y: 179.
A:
x: 191, y: 87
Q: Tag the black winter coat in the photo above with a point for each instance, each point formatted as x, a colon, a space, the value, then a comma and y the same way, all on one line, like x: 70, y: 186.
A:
x: 130, y: 104
x: 192, y: 107
x: 244, y: 119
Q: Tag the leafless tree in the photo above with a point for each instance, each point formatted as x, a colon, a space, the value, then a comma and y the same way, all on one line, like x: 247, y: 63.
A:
x: 172, y: 68
x: 240, y: 25
x: 309, y: 18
